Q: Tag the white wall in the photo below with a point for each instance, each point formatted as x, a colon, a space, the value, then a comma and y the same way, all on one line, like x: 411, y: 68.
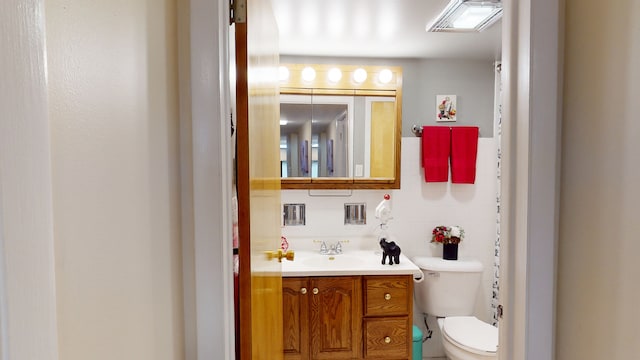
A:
x: 112, y: 69
x: 27, y: 278
x: 598, y: 267
x: 472, y: 81
x: 417, y: 208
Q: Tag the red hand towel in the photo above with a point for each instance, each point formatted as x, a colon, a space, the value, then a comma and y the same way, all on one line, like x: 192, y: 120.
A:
x: 464, y: 151
x: 436, y: 145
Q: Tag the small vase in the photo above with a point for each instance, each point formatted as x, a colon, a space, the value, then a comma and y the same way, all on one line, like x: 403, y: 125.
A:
x: 450, y: 251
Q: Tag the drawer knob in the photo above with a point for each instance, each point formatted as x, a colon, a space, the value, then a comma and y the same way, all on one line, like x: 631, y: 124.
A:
x: 303, y: 291
x: 315, y: 291
x: 387, y: 296
x: 387, y: 340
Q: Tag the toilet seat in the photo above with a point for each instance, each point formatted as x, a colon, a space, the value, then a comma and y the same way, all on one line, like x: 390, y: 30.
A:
x: 471, y: 334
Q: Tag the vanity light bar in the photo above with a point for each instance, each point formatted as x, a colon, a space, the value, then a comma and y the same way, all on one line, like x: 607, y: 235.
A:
x: 339, y: 76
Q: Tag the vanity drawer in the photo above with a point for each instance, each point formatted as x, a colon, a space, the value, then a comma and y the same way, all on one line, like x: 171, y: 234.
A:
x: 387, y: 295
x: 387, y: 338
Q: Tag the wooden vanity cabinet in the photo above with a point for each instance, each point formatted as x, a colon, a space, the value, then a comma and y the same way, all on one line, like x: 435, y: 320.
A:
x: 347, y: 317
x: 388, y: 314
x: 322, y: 317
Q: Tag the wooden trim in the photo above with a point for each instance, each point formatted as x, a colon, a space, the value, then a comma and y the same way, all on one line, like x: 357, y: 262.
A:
x: 243, y: 187
x: 332, y: 180
x: 376, y: 181
x: 296, y: 91
x: 389, y: 93
x: 296, y: 180
x: 348, y: 92
x: 341, y: 183
x: 347, y: 185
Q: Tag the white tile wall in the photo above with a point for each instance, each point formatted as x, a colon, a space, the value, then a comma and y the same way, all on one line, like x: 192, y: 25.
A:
x: 417, y: 208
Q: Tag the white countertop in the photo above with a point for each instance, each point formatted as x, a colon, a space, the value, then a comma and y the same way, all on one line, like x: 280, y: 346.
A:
x: 352, y: 262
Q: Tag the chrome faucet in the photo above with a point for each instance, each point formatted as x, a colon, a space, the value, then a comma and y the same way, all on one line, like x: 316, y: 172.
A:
x: 331, y: 249
x: 323, y: 248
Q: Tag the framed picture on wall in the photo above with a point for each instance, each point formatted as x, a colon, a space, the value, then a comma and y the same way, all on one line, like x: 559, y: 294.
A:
x: 446, y: 108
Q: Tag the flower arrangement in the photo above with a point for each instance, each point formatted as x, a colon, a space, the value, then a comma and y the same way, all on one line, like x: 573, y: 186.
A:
x: 447, y: 234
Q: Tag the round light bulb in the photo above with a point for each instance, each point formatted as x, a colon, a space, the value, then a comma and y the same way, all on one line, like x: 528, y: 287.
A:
x: 334, y: 75
x: 360, y: 75
x: 283, y: 73
x: 385, y: 76
x: 308, y: 74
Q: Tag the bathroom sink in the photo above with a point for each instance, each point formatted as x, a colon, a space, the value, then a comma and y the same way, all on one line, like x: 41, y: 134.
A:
x: 324, y: 261
x: 351, y: 262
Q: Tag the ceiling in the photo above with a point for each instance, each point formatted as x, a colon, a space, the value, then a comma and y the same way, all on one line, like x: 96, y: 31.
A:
x: 376, y: 28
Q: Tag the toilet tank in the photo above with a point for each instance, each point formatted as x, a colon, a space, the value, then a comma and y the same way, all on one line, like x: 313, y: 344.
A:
x: 449, y: 288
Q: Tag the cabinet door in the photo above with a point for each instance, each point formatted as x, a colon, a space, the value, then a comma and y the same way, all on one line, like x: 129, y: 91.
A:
x: 336, y: 318
x: 295, y: 309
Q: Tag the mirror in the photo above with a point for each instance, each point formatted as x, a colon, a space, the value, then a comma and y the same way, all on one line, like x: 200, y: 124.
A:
x: 315, y: 135
x: 339, y: 133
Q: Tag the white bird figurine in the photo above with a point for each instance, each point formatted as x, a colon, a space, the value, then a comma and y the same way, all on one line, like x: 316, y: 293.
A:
x: 383, y: 210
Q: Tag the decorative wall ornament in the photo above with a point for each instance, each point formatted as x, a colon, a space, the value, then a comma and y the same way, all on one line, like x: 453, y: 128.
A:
x: 446, y: 108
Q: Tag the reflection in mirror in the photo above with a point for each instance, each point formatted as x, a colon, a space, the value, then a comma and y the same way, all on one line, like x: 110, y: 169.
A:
x: 374, y: 137
x: 315, y: 135
x: 330, y: 135
x: 295, y: 135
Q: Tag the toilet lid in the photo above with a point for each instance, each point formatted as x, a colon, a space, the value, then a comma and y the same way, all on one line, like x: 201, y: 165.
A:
x: 472, y: 333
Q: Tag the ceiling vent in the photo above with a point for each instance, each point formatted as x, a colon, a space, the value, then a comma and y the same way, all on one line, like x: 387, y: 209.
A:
x: 467, y: 16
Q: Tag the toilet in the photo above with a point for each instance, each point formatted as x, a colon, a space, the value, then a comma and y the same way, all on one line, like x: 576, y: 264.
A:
x: 448, y: 291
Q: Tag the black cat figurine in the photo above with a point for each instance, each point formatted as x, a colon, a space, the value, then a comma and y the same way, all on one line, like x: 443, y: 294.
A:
x: 390, y: 250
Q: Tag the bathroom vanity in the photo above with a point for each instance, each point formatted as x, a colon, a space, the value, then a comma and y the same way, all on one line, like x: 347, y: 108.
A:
x: 354, y: 308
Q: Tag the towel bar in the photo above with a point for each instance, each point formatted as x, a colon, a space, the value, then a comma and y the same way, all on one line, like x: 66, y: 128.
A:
x: 417, y: 130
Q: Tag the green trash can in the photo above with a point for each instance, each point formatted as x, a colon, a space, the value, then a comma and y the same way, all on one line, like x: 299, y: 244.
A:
x: 417, y: 343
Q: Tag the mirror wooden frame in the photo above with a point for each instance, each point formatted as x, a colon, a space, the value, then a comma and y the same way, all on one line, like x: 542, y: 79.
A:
x: 371, y: 86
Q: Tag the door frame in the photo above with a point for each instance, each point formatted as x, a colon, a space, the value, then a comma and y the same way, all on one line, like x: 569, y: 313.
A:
x: 532, y: 106
x: 206, y: 177
x: 28, y: 323
x: 532, y: 35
